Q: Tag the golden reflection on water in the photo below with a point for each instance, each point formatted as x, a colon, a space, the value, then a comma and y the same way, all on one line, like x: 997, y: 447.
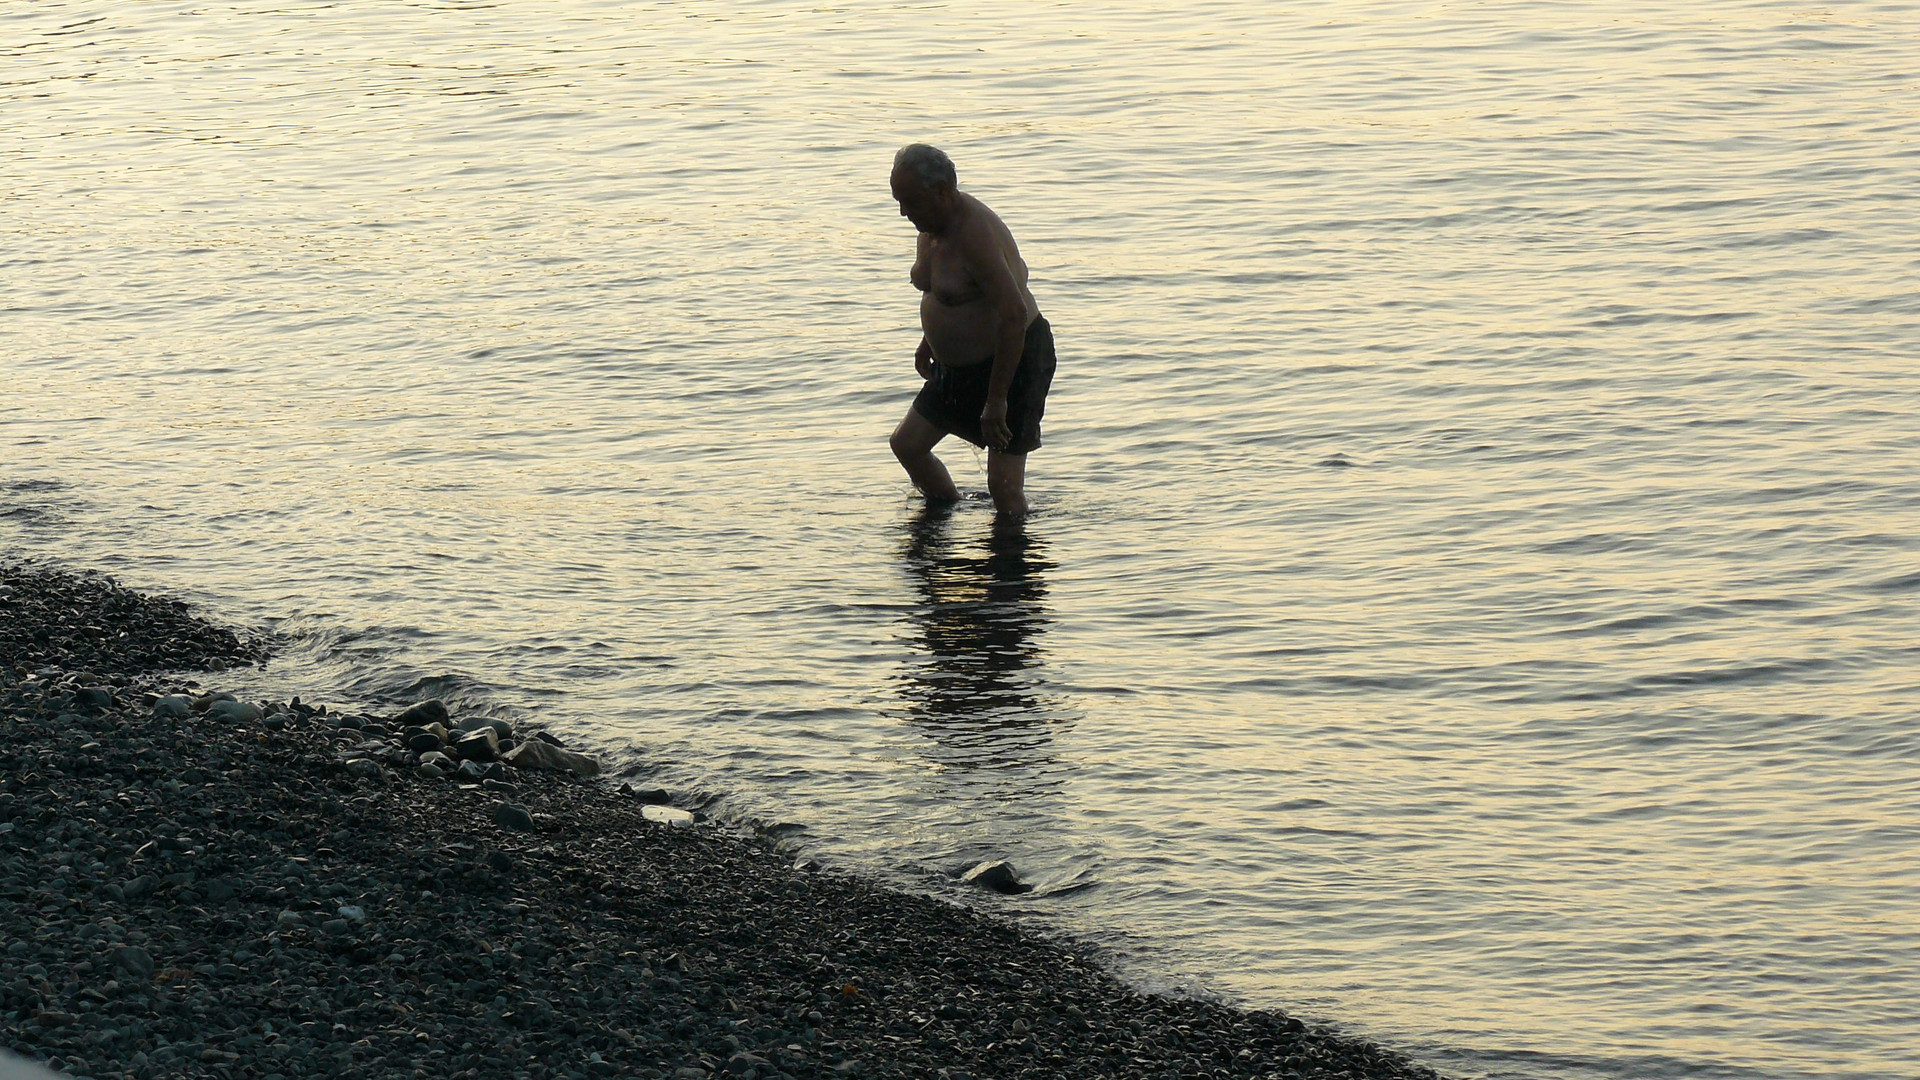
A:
x: 979, y: 620
x: 1477, y: 507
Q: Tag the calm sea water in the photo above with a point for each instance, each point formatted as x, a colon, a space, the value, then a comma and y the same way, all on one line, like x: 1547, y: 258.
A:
x: 1474, y: 585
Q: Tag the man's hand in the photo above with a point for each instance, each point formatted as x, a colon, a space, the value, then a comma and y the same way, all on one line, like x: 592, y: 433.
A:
x: 923, y: 359
x: 993, y: 425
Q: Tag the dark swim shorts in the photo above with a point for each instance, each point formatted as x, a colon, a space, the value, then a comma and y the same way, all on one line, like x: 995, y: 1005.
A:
x: 953, y: 397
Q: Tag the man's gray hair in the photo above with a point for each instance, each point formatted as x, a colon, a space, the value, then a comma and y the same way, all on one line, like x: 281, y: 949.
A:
x: 928, y: 164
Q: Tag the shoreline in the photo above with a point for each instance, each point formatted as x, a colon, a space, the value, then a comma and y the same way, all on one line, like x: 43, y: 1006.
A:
x: 191, y: 888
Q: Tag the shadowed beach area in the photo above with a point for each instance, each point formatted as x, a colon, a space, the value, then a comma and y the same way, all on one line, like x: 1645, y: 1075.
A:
x: 194, y: 886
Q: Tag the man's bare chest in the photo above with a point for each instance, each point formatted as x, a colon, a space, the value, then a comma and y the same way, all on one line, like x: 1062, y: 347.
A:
x: 953, y: 284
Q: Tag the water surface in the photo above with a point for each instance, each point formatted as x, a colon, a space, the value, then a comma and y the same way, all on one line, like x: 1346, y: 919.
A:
x: 1473, y: 589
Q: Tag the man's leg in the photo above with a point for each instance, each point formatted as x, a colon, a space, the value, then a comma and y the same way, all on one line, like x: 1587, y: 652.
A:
x: 1007, y: 482
x: 913, y: 443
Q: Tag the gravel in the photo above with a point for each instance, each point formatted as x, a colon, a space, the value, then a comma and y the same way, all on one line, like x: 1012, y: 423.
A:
x: 273, y: 891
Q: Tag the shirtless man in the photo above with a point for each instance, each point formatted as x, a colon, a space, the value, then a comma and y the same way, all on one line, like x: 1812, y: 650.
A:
x: 985, y: 352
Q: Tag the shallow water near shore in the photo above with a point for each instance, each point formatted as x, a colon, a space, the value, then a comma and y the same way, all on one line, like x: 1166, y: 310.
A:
x: 1473, y: 584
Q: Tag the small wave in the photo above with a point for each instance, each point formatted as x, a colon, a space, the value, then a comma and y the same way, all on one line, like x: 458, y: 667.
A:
x: 1899, y: 584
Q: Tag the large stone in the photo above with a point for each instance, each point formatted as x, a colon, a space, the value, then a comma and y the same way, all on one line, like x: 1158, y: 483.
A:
x: 539, y: 754
x: 480, y: 744
x: 172, y: 707
x: 475, y: 723
x: 998, y: 876
x: 236, y: 712
x: 93, y: 697
x: 133, y: 960
x: 513, y: 817
x: 430, y: 711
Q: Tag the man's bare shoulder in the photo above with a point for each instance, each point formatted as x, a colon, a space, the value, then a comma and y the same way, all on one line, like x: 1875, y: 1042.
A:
x: 983, y: 233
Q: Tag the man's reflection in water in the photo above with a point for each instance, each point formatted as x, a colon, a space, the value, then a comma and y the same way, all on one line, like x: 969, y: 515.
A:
x: 981, y: 614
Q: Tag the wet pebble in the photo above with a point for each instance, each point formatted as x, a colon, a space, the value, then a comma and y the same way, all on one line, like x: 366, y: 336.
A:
x: 513, y: 817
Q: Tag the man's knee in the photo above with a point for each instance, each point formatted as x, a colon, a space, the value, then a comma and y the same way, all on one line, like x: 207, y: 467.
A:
x: 903, y: 444
x: 914, y: 437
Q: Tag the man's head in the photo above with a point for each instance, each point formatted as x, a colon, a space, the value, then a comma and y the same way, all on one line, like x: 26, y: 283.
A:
x: 925, y: 186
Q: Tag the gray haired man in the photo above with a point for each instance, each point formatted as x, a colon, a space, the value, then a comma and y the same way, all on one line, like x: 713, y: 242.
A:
x: 985, y: 351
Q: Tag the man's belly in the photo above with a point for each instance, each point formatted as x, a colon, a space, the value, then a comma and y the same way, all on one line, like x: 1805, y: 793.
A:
x: 961, y: 335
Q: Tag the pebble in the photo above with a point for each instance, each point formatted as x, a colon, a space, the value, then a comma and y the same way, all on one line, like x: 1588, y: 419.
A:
x: 513, y: 817
x: 133, y: 960
x: 422, y: 741
x: 742, y: 1063
x: 93, y: 697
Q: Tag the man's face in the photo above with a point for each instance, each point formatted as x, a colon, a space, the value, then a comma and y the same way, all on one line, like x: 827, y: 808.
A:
x: 918, y: 203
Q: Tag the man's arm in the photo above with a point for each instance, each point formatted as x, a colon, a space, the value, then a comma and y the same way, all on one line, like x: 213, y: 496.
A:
x: 922, y: 277
x: 988, y: 264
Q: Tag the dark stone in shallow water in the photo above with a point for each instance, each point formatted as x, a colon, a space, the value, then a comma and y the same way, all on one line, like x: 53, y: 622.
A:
x: 430, y: 711
x: 998, y: 876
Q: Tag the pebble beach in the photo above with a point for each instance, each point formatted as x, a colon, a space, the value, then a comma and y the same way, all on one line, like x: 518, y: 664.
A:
x: 195, y: 885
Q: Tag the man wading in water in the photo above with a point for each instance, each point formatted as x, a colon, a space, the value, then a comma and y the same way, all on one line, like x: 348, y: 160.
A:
x: 985, y: 351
